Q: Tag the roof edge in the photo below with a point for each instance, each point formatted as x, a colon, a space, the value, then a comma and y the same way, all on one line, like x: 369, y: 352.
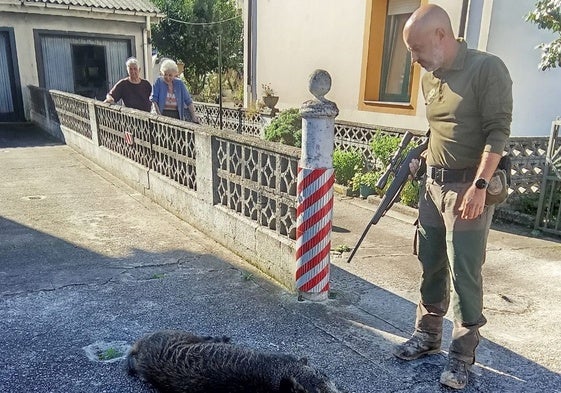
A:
x: 87, y: 9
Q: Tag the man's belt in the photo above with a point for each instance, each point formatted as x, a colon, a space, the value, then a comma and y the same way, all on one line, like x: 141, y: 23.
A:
x: 443, y: 175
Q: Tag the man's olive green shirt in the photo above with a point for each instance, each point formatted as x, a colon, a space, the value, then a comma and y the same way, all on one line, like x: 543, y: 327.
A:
x: 469, y: 109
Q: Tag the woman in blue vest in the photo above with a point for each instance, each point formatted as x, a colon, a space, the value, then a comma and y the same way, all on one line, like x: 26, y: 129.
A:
x: 170, y: 96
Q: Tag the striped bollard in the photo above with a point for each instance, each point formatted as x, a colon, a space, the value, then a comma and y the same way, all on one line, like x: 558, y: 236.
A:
x: 315, y: 191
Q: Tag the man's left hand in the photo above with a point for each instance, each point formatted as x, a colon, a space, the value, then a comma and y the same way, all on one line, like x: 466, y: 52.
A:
x: 473, y: 203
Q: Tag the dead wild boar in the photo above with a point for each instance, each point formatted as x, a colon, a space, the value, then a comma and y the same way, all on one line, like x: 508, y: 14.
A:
x: 181, y: 362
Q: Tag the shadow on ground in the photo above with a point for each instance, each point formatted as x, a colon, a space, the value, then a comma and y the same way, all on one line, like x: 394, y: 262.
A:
x: 59, y: 296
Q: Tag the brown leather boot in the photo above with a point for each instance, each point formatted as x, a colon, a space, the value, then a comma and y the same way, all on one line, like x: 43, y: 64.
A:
x: 416, y: 347
x: 455, y: 374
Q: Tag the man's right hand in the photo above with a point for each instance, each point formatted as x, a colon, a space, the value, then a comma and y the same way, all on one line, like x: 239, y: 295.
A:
x: 415, y: 165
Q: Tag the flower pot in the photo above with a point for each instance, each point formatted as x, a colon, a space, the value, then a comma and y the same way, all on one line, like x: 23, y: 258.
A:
x: 365, y: 191
x: 270, y: 101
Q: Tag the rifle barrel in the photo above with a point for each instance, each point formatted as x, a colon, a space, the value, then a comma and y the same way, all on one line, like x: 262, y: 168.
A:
x: 395, y: 160
x: 392, y: 193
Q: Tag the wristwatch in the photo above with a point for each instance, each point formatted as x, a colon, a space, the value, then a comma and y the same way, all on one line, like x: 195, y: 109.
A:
x: 481, y: 183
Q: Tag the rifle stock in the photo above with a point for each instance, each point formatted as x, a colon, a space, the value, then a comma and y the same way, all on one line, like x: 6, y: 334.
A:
x: 396, y: 186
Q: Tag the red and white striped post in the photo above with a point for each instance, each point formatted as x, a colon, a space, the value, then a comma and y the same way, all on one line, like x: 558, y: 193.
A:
x: 315, y: 191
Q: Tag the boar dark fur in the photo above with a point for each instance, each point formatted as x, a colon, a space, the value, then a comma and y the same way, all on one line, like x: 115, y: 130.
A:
x: 180, y: 362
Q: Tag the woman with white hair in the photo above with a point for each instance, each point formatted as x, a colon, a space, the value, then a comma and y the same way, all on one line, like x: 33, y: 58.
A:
x: 170, y: 96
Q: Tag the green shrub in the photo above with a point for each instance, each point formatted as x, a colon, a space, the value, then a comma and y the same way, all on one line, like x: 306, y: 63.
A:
x: 368, y: 179
x: 383, y: 147
x: 286, y: 128
x: 527, y: 204
x: 346, y: 164
x: 410, y: 194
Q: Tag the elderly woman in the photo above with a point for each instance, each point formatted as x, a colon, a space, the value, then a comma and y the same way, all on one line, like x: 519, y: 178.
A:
x: 170, y: 97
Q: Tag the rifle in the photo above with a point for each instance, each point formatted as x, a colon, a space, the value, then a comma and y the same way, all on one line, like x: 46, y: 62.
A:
x: 400, y: 168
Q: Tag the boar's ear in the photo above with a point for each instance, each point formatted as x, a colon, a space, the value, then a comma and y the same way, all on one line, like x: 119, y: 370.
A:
x: 290, y: 385
x: 303, y: 361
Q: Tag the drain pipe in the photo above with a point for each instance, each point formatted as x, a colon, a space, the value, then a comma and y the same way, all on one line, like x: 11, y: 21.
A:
x: 463, y: 18
x: 146, y: 46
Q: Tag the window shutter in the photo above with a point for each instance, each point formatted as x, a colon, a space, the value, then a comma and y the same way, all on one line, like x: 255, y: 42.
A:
x: 396, y: 7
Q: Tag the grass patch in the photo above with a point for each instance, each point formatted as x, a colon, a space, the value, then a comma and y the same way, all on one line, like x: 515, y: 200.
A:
x: 342, y: 248
x: 109, y: 353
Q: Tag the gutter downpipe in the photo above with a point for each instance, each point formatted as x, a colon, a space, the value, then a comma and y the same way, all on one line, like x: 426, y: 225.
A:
x: 463, y: 18
x: 146, y: 46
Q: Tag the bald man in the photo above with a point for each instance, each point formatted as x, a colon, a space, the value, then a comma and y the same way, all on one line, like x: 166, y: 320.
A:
x: 469, y: 108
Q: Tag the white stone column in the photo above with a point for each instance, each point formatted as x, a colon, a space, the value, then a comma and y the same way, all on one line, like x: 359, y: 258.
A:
x: 315, y: 191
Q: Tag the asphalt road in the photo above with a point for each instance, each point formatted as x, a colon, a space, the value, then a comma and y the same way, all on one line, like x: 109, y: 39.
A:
x: 87, y: 263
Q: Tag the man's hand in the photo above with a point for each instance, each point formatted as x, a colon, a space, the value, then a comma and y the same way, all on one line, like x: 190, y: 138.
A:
x: 415, y: 164
x: 473, y: 203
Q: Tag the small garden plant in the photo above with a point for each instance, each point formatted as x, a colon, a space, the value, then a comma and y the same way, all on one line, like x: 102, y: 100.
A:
x: 342, y: 248
x: 368, y: 179
x: 109, y: 353
x: 286, y: 128
x: 267, y: 90
x: 383, y: 147
x: 346, y: 164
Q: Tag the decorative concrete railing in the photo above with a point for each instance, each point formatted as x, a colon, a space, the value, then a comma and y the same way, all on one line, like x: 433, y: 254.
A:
x: 240, y: 190
x: 240, y: 120
x: 255, y: 202
x: 527, y: 153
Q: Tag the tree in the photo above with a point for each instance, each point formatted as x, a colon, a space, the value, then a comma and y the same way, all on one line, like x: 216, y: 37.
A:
x: 547, y: 15
x: 191, y: 31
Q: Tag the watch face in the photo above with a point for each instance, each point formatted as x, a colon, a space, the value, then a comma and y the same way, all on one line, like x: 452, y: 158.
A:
x: 481, y: 183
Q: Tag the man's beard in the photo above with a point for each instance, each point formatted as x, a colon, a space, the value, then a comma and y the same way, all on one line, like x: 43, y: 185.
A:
x: 437, y: 60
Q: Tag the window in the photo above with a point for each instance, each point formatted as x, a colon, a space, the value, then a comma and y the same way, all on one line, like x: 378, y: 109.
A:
x: 90, y: 76
x: 389, y: 83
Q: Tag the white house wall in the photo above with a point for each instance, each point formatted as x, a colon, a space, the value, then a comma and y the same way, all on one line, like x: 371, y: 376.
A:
x: 294, y: 37
x: 537, y: 94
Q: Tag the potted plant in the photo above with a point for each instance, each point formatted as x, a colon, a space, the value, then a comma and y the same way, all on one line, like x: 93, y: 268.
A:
x: 270, y: 99
x: 365, y: 183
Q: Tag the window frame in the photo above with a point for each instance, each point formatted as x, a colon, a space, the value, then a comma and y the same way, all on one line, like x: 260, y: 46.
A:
x: 372, y: 73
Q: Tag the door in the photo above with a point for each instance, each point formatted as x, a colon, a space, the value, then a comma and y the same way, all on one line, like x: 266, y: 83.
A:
x: 11, y: 105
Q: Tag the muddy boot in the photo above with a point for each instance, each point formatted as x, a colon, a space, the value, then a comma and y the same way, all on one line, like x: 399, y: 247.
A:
x: 428, y: 332
x: 455, y: 374
x: 418, y: 345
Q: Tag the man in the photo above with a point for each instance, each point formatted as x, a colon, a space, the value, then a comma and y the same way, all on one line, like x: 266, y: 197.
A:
x: 133, y: 90
x: 469, y: 108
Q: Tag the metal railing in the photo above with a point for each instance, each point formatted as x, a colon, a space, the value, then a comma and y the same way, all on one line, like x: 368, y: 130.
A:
x: 548, y: 218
